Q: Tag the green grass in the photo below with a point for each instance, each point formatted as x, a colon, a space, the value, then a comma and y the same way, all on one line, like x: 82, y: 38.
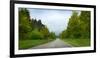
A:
x: 25, y: 44
x: 77, y: 42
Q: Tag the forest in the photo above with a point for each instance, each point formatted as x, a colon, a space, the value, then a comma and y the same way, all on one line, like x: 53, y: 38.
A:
x: 78, y: 30
x: 33, y: 32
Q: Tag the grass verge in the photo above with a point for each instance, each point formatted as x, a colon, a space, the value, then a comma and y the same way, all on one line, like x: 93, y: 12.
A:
x: 25, y: 44
x: 77, y: 42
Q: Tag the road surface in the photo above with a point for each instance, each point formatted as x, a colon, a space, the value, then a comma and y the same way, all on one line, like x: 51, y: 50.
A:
x: 54, y: 44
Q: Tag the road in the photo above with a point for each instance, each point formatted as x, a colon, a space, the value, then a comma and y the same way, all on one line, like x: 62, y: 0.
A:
x: 58, y: 43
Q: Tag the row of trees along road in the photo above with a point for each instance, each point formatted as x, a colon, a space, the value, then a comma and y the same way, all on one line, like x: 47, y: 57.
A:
x: 32, y: 28
x: 78, y: 26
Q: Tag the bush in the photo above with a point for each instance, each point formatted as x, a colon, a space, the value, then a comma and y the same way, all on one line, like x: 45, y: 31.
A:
x: 35, y: 35
x: 52, y: 35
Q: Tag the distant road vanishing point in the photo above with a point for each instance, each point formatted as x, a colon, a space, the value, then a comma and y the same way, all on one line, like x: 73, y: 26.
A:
x: 58, y: 43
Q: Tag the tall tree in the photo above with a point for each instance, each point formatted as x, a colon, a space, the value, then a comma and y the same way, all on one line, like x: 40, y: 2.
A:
x: 78, y: 26
x: 31, y: 28
x: 73, y: 26
x: 24, y: 23
x: 85, y: 22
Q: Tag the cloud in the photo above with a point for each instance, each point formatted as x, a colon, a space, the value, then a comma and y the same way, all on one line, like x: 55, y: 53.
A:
x: 55, y: 20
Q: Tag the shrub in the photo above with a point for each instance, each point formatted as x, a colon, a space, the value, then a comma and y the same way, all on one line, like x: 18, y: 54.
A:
x: 35, y: 35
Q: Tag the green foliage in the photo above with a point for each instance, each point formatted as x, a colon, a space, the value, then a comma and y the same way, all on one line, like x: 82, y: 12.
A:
x: 24, y: 23
x: 45, y: 32
x: 82, y: 42
x: 37, y: 24
x: 31, y: 31
x: 63, y: 34
x: 78, y: 26
x: 35, y: 35
x: 52, y: 35
x: 26, y: 44
x: 31, y: 28
x: 85, y: 18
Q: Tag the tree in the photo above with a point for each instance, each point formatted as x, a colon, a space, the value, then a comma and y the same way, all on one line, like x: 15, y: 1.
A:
x: 85, y: 19
x: 31, y: 28
x: 73, y: 26
x: 24, y: 23
x: 78, y: 26
x: 52, y: 35
x: 45, y: 32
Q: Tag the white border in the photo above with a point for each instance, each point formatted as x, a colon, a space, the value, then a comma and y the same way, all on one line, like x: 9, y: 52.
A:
x: 54, y: 49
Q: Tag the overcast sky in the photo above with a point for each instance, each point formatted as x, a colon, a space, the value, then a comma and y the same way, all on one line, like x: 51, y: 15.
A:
x: 55, y: 20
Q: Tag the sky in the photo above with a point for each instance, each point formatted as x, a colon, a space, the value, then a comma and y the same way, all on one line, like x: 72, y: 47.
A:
x: 55, y: 20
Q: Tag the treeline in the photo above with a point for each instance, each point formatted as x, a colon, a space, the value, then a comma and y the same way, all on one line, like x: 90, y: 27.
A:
x: 78, y: 26
x: 32, y: 28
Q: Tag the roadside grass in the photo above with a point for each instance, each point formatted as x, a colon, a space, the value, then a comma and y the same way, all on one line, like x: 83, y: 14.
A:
x: 25, y: 44
x: 77, y: 42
